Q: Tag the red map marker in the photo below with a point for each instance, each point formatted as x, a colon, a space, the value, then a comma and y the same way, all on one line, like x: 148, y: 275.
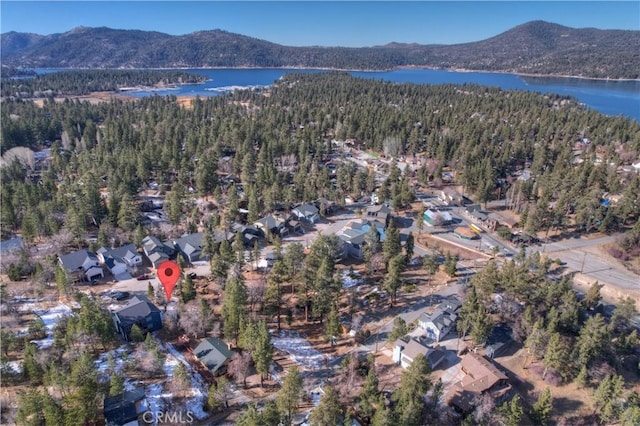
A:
x: 168, y: 274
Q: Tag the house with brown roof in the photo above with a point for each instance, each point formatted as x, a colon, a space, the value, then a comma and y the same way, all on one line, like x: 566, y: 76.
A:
x: 481, y: 376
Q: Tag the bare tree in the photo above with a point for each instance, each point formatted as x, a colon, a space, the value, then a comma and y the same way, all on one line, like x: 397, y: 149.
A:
x: 239, y: 366
x: 192, y: 321
x: 256, y: 290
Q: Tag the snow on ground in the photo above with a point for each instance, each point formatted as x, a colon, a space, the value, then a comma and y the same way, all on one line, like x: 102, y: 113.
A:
x: 16, y: 366
x: 50, y: 318
x: 300, y: 350
x: 351, y: 279
x: 199, y: 389
x: 154, y: 400
x: 102, y: 363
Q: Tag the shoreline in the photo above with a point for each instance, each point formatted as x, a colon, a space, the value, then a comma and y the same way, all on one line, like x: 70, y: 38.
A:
x: 401, y: 67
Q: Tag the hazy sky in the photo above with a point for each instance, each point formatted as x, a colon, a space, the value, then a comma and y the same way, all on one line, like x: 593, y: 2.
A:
x: 324, y: 23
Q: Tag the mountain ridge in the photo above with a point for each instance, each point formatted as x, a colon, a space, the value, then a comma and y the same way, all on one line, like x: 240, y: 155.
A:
x: 536, y: 47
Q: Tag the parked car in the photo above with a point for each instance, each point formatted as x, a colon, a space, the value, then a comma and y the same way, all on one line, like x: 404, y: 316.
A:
x: 143, y: 277
x: 119, y: 295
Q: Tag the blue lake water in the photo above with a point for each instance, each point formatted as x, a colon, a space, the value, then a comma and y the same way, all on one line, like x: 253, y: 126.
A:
x: 607, y: 97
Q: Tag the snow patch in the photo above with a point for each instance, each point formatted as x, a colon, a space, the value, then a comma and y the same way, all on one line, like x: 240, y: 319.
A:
x: 351, y: 279
x: 300, y: 350
x: 50, y: 317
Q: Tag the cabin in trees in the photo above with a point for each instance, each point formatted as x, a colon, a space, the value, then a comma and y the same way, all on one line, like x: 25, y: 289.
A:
x: 405, y: 350
x: 481, y: 376
x: 214, y: 354
x: 306, y: 213
x: 138, y: 311
x: 272, y: 225
x: 122, y: 409
x: 81, y: 265
x: 442, y: 320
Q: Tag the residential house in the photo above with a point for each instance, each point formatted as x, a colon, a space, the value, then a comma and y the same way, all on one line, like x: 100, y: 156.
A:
x: 436, y: 217
x: 450, y: 196
x: 353, y: 236
x: 442, y: 320
x: 405, y: 350
x: 81, y: 265
x: 250, y: 234
x: 122, y: 409
x: 156, y: 251
x: 140, y: 311
x: 214, y: 354
x: 306, y: 213
x: 474, y: 211
x: 481, y: 376
x: 379, y: 214
x: 271, y: 225
x: 190, y: 247
x: 120, y: 261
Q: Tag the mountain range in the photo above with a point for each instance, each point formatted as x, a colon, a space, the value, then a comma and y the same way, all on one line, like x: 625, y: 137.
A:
x: 536, y: 47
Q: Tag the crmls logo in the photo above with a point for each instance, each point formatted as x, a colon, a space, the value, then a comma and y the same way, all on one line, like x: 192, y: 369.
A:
x: 168, y: 417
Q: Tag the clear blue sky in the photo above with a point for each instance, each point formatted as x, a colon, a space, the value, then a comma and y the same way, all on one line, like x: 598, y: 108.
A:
x: 323, y: 23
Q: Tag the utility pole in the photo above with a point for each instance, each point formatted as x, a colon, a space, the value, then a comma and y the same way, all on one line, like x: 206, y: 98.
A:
x: 583, y: 260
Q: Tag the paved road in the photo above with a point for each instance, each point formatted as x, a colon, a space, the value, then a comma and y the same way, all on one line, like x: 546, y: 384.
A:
x: 581, y: 255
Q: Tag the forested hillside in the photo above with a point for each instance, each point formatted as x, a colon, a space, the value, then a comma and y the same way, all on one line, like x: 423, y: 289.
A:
x: 536, y: 47
x: 278, y: 142
x: 87, y: 81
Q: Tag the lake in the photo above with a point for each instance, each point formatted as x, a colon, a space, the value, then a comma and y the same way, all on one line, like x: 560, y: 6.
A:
x: 607, y: 97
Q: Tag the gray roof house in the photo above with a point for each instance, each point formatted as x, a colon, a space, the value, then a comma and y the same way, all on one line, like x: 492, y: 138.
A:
x: 214, y: 354
x: 81, y: 265
x: 120, y: 261
x: 156, y: 251
x: 380, y: 214
x: 271, y: 224
x: 127, y: 254
x: 353, y: 237
x: 122, y: 409
x: 140, y: 311
x: 307, y: 213
x: 190, y: 246
x: 441, y: 321
x: 406, y: 350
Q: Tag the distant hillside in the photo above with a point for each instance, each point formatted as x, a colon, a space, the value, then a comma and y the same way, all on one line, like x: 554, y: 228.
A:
x: 536, y: 47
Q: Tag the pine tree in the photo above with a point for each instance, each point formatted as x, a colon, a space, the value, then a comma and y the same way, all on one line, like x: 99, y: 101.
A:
x: 289, y: 394
x: 332, y: 327
x: 392, y: 246
x: 542, y: 408
x: 188, y: 289
x: 392, y: 280
x: 116, y: 384
x: 608, y: 398
x: 263, y: 351
x: 409, y: 245
x: 370, y: 393
x: 512, y: 411
x: 556, y: 355
x: 410, y: 408
x: 234, y: 307
x: 329, y: 411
